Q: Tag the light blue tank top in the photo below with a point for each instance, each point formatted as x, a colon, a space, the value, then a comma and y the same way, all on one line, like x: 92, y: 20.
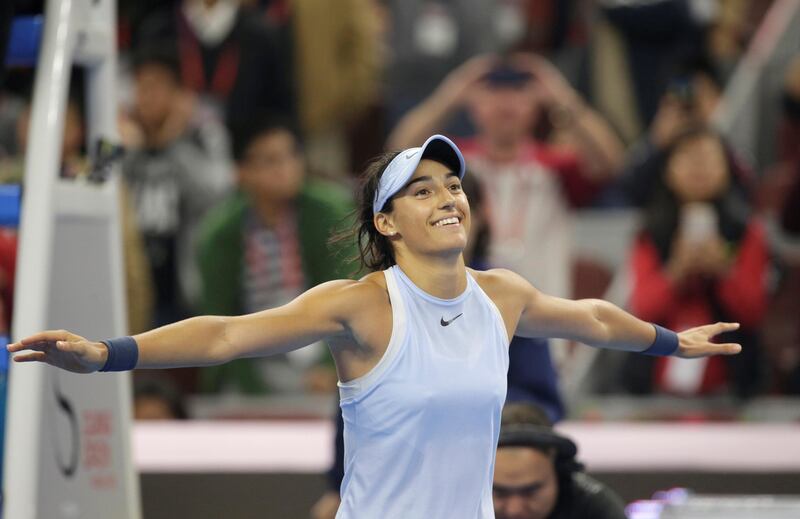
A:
x: 421, y: 428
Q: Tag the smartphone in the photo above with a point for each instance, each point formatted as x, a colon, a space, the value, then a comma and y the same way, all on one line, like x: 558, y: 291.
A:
x: 682, y: 90
x: 698, y: 222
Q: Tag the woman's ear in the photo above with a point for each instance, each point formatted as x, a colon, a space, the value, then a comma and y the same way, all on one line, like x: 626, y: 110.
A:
x: 384, y: 224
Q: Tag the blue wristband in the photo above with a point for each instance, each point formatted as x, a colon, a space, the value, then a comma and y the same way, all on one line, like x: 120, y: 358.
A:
x: 123, y: 354
x: 666, y: 343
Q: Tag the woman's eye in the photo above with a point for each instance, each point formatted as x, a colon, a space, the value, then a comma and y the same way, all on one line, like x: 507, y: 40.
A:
x: 422, y: 192
x: 455, y: 187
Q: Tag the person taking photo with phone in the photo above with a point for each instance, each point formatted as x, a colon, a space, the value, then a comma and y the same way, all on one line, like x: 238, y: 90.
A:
x: 699, y: 256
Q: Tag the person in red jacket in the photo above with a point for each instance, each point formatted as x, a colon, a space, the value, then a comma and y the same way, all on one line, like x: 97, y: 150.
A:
x: 699, y: 256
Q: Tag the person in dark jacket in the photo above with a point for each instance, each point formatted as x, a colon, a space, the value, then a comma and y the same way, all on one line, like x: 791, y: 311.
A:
x: 536, y: 475
x: 227, y: 55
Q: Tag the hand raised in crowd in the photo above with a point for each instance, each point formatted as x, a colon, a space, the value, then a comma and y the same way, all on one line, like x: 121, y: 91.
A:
x: 709, y: 257
x: 684, y: 259
x: 61, y: 349
x: 714, y: 257
x: 670, y: 120
x: 456, y: 87
x: 696, y: 342
x: 551, y: 86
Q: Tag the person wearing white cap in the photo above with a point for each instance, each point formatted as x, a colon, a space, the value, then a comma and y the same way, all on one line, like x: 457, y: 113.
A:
x: 421, y: 343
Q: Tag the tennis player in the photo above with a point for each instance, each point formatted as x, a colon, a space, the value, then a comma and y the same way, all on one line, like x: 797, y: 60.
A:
x: 420, y: 344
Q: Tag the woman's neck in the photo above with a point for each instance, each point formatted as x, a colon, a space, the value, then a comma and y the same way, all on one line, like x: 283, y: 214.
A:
x: 443, y: 277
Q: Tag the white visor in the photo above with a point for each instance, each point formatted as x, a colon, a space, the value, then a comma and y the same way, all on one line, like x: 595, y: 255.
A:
x: 402, y: 167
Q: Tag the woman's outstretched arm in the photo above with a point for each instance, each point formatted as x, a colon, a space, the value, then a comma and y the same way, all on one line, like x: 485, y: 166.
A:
x: 319, y: 313
x: 599, y: 323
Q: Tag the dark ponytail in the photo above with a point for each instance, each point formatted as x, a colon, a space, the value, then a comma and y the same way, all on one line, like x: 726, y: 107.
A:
x: 375, y: 252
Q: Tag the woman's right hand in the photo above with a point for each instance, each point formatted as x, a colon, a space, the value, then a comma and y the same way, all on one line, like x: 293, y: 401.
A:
x: 61, y: 349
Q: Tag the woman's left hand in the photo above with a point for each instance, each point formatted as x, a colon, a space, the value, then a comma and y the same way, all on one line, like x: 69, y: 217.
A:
x: 696, y: 342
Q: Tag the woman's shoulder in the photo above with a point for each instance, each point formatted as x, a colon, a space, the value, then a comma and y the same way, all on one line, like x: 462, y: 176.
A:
x: 496, y: 278
x: 351, y: 295
x: 500, y: 283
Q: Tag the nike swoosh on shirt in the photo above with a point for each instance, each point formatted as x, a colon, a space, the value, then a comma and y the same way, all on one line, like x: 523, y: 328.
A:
x: 408, y: 156
x: 447, y: 323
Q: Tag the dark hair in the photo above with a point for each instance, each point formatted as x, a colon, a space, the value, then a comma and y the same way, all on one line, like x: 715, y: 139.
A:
x: 158, y: 53
x: 374, y: 250
x: 525, y: 424
x: 479, y: 254
x: 523, y: 413
x: 661, y: 216
x: 246, y: 130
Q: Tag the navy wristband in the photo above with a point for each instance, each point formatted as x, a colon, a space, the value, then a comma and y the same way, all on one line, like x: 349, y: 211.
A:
x: 666, y: 343
x: 123, y: 354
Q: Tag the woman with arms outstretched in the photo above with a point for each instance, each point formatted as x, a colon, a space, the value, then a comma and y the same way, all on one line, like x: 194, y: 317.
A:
x: 420, y: 344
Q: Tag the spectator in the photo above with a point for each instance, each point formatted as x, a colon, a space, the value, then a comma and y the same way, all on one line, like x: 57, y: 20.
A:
x: 10, y: 108
x: 699, y: 257
x: 641, y: 41
x: 536, y: 475
x: 8, y: 263
x: 780, y: 178
x: 780, y: 199
x: 157, y: 398
x: 532, y: 186
x: 691, y: 98
x: 176, y: 171
x: 788, y: 365
x: 338, y: 59
x: 73, y: 152
x: 74, y: 163
x: 428, y: 39
x: 226, y: 55
x: 267, y: 243
x: 635, y: 44
x: 790, y: 98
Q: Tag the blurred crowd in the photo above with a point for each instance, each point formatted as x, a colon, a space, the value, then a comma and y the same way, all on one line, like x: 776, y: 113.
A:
x: 246, y: 123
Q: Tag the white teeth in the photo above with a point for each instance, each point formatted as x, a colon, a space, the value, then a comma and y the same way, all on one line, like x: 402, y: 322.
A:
x: 446, y: 221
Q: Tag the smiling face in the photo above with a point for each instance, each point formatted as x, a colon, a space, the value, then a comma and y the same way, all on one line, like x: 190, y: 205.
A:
x: 525, y: 484
x: 429, y: 216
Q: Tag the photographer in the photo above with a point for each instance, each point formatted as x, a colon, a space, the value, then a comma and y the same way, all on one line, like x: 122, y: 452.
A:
x: 532, y: 185
x: 701, y: 255
x: 690, y: 99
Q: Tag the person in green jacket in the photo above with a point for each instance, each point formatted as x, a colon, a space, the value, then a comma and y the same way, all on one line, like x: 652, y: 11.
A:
x: 266, y: 244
